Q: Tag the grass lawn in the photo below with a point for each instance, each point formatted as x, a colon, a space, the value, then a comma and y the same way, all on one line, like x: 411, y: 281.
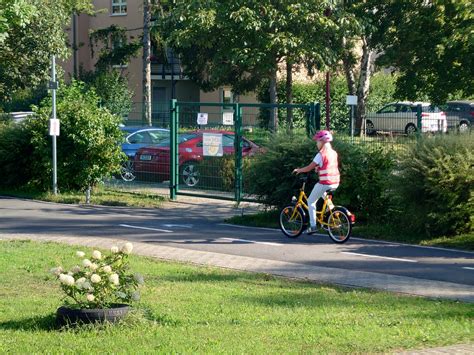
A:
x: 269, y: 219
x: 190, y: 309
x: 99, y: 196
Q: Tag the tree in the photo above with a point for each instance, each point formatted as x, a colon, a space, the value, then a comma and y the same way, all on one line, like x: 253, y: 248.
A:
x: 31, y: 31
x: 16, y: 13
x: 431, y: 44
x: 241, y: 43
x: 89, y: 144
x: 358, y: 55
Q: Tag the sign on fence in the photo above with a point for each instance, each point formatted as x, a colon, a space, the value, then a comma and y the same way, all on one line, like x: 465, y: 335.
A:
x: 212, y: 145
x: 202, y: 118
x: 228, y: 118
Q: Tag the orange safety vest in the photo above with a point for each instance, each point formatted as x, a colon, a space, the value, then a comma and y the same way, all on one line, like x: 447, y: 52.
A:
x: 329, y: 172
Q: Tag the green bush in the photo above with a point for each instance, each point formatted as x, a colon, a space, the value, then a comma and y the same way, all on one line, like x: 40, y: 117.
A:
x: 365, y: 179
x: 88, y: 148
x: 433, y: 187
x: 15, y: 154
x: 270, y: 178
x: 112, y: 89
x: 364, y: 173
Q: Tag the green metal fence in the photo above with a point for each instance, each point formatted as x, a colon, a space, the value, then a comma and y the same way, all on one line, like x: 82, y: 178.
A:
x: 211, y: 142
x: 233, y: 133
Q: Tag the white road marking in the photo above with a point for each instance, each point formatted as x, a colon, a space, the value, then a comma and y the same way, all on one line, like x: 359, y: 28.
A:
x: 468, y: 268
x: 250, y: 241
x: 246, y: 227
x: 178, y: 225
x: 381, y: 257
x: 146, y: 228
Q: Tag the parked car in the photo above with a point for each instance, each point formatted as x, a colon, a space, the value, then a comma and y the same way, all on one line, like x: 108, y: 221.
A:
x: 400, y: 117
x: 460, y: 115
x: 153, y: 163
x: 136, y: 138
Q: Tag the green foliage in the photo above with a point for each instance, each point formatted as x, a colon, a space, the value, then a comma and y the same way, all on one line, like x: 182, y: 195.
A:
x: 365, y: 176
x: 88, y: 148
x: 101, y: 281
x: 270, y: 178
x: 15, y: 154
x: 22, y: 100
x: 430, y: 44
x: 253, y: 37
x: 381, y: 92
x: 434, y: 181
x: 26, y: 50
x: 114, y: 48
x: 16, y: 13
x: 112, y: 89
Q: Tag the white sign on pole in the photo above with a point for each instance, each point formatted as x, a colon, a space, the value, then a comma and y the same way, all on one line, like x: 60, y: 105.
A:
x: 54, y: 127
x: 351, y: 100
x: 212, y: 144
x: 228, y: 118
x: 202, y: 118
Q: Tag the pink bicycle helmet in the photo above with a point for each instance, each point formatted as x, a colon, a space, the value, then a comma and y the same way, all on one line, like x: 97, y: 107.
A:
x: 323, y: 136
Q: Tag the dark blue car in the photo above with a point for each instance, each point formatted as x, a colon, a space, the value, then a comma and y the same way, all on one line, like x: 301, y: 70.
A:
x: 136, y: 138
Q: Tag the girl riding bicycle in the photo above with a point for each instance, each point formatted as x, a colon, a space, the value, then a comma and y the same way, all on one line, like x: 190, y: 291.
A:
x: 326, y: 164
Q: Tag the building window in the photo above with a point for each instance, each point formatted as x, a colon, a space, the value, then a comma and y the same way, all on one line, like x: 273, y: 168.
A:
x: 119, y: 7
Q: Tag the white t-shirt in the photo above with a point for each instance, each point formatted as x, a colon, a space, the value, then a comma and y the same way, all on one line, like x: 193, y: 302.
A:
x: 318, y: 159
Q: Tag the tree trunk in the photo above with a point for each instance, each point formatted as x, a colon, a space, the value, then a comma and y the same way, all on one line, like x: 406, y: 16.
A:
x: 273, y: 123
x: 363, y: 85
x: 348, y: 68
x: 289, y: 93
x: 146, y: 63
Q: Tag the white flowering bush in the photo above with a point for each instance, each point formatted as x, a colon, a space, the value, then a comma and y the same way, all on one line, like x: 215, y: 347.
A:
x: 101, y: 280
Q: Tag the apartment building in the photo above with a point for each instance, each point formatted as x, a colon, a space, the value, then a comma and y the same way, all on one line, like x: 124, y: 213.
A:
x: 168, y: 81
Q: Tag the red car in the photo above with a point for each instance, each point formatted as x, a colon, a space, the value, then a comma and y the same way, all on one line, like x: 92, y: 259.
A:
x: 153, y: 163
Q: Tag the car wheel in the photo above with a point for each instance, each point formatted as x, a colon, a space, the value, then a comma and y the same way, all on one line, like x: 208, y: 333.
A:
x: 410, y: 129
x: 190, y: 174
x: 463, y: 127
x: 127, y: 171
x: 370, y: 128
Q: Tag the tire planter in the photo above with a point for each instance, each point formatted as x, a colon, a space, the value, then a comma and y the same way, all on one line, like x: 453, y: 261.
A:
x: 66, y: 315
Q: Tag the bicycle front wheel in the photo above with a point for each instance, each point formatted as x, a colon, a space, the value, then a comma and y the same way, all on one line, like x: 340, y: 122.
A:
x: 339, y: 226
x: 292, y: 221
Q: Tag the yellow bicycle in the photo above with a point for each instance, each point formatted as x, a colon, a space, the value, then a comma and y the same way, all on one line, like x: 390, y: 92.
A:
x: 336, y: 220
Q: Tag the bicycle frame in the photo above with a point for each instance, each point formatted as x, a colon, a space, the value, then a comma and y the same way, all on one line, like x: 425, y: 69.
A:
x: 302, y: 201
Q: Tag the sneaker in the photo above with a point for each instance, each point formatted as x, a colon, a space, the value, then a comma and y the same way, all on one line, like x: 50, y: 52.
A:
x: 311, y: 230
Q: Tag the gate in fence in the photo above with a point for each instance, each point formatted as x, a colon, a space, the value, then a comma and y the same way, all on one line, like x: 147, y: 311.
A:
x: 211, y: 144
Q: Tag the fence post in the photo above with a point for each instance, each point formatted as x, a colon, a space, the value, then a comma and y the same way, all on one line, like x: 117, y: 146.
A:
x: 418, y: 120
x: 317, y: 117
x: 310, y: 119
x: 173, y: 148
x: 238, y: 153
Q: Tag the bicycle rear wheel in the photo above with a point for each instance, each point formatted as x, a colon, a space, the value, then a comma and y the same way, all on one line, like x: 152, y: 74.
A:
x: 292, y: 224
x: 339, y: 226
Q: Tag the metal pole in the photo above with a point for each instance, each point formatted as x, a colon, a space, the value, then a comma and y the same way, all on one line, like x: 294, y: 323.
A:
x: 352, y: 123
x: 328, y: 101
x: 55, y: 173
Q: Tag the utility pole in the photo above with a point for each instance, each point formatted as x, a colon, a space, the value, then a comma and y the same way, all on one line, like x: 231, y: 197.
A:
x: 146, y: 63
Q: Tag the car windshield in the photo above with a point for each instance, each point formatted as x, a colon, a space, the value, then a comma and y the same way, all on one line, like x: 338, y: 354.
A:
x: 181, y: 139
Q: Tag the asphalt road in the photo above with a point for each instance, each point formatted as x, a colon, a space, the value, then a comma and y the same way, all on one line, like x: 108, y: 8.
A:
x: 202, y: 227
